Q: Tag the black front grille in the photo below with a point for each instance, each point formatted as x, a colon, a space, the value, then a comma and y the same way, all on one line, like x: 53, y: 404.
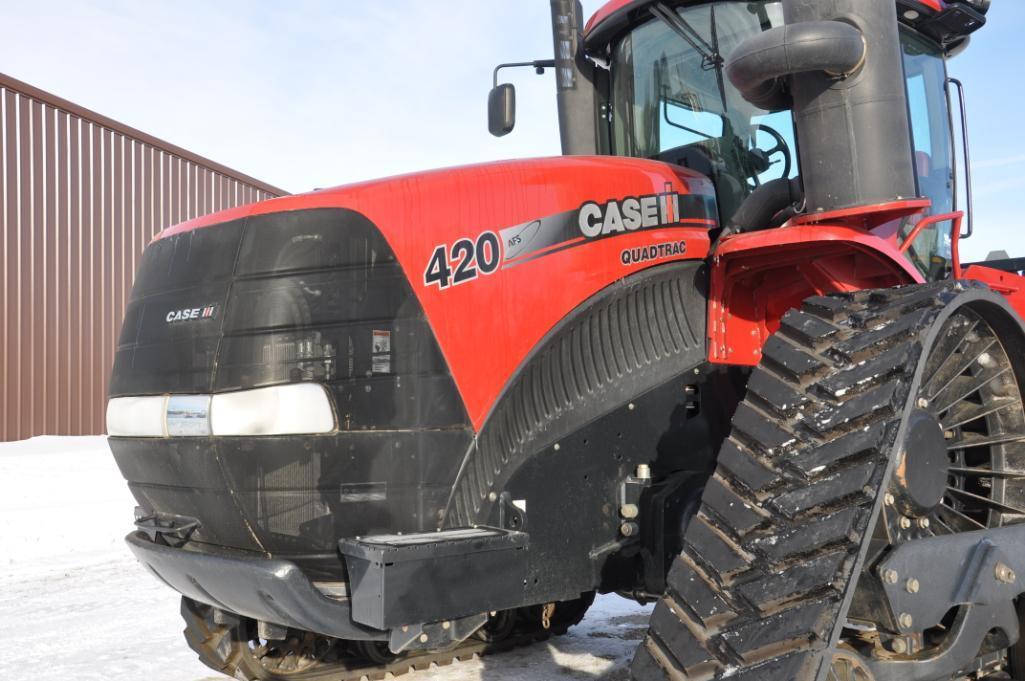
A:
x: 313, y: 295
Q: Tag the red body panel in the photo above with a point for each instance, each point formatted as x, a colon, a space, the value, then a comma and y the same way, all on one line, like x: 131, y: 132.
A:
x: 605, y: 11
x: 1009, y: 284
x: 487, y: 326
x: 757, y: 277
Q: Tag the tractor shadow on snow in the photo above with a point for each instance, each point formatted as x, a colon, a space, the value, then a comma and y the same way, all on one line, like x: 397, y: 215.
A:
x: 600, y: 648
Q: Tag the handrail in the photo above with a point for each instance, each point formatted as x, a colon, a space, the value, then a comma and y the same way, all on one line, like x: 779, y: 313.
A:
x: 966, y: 151
x: 928, y: 221
x: 955, y: 252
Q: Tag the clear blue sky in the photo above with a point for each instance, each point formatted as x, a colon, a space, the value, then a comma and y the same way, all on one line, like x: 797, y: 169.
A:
x: 321, y: 92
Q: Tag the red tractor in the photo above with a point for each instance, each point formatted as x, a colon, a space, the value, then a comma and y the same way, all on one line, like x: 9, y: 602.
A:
x: 721, y: 355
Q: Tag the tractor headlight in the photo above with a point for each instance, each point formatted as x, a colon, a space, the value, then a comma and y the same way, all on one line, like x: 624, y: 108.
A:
x: 293, y: 409
x: 137, y: 416
x: 282, y: 410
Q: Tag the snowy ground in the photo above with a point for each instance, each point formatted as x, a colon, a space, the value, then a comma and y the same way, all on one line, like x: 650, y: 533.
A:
x: 74, y: 604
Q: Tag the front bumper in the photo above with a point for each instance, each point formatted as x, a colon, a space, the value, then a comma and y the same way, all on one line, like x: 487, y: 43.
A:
x: 264, y: 589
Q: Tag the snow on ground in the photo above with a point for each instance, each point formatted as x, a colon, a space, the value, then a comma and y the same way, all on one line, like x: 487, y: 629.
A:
x: 74, y: 604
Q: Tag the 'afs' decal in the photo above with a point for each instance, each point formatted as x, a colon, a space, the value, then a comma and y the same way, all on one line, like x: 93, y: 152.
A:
x: 468, y: 258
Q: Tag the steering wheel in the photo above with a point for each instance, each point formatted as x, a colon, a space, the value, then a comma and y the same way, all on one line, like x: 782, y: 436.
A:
x: 781, y: 148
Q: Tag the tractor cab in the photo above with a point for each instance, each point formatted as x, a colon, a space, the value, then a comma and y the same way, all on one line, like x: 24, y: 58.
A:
x: 652, y: 80
x: 670, y: 99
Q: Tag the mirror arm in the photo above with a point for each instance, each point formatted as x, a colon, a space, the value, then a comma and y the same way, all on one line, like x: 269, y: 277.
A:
x: 539, y: 66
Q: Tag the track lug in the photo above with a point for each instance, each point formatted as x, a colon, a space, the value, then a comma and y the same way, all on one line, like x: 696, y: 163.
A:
x: 814, y: 493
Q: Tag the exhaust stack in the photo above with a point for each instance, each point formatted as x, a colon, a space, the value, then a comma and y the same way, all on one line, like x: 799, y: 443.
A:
x: 838, y: 65
x: 573, y: 80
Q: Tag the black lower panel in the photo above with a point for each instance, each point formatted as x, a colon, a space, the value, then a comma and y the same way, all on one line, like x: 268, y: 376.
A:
x: 296, y: 496
x: 572, y: 493
x: 613, y: 387
x: 266, y: 589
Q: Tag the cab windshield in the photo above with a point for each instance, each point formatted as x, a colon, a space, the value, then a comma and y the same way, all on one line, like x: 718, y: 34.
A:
x: 671, y: 99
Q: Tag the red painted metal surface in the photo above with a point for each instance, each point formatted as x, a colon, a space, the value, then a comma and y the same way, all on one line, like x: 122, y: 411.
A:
x: 486, y: 327
x: 604, y: 12
x: 1009, y: 284
x: 757, y: 277
x: 955, y: 252
x: 866, y: 217
x: 929, y: 221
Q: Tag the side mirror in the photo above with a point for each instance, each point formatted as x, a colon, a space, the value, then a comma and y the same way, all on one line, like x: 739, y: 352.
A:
x: 502, y: 109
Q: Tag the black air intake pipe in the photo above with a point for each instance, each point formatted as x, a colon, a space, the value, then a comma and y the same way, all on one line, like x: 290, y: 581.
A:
x: 838, y: 65
x: 764, y: 204
x: 760, y: 65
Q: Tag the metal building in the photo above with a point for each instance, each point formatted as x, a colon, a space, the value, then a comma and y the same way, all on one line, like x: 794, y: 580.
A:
x: 80, y: 196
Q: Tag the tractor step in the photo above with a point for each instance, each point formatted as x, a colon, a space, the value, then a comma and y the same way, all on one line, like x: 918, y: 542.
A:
x: 469, y: 570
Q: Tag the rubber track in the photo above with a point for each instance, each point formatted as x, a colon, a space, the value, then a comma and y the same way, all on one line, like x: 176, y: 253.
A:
x: 762, y: 585
x: 210, y: 642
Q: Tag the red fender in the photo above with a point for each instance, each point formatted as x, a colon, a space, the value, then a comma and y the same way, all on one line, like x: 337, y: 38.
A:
x: 757, y: 277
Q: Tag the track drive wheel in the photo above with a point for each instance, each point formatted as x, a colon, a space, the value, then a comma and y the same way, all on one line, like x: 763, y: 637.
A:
x: 498, y: 628
x: 235, y: 652
x: 874, y: 418
x: 847, y: 665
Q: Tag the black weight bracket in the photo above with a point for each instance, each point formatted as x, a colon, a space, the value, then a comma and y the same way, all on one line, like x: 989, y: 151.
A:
x: 924, y: 579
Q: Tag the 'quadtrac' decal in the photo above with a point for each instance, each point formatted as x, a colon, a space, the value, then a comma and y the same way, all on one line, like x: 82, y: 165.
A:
x: 469, y: 258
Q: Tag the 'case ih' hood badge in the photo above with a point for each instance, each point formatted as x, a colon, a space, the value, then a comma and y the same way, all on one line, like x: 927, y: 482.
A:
x: 190, y: 314
x: 629, y: 214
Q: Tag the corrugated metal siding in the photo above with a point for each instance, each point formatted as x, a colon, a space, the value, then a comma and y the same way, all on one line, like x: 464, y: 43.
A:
x: 80, y: 197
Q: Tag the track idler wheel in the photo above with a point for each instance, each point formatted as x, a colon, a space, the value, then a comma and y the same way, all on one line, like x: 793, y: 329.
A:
x: 376, y: 652
x: 847, y: 665
x: 858, y: 399
x: 234, y: 651
x: 498, y: 628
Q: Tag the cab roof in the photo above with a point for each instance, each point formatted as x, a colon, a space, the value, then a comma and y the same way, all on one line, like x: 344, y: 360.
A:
x: 615, y: 15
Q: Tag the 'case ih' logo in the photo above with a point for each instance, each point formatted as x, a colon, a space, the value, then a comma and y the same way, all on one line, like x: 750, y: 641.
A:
x: 629, y: 214
x: 189, y: 314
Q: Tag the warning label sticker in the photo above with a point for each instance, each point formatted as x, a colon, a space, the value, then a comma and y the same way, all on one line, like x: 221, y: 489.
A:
x: 382, y: 342
x: 380, y: 361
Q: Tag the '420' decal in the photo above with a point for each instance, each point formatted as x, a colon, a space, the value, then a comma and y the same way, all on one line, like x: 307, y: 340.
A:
x: 464, y: 262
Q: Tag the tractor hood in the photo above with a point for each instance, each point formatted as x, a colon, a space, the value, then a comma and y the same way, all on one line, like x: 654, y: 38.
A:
x: 357, y: 338
x: 518, y: 243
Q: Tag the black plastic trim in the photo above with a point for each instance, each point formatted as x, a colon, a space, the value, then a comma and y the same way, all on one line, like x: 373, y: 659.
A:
x: 265, y: 589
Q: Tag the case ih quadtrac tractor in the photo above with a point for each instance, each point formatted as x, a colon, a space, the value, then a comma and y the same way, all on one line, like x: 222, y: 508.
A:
x: 722, y: 355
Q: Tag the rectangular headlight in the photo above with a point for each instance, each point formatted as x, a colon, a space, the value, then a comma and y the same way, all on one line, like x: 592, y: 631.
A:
x: 294, y: 409
x: 137, y: 416
x: 297, y: 408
